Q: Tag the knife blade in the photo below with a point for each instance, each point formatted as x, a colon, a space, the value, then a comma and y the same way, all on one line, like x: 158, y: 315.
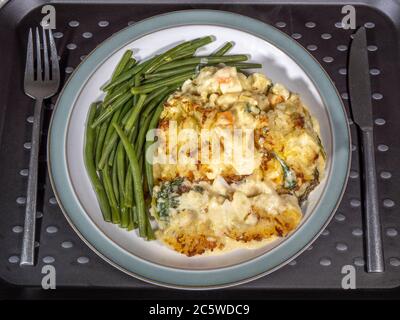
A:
x: 361, y: 109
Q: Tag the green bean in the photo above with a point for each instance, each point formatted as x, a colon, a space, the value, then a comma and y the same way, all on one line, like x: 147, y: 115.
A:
x: 245, y: 65
x: 171, y: 53
x: 115, y: 216
x: 115, y: 94
x: 130, y: 64
x: 149, y: 165
x: 135, y: 216
x: 112, y: 108
x: 142, y: 134
x: 150, y: 231
x: 135, y: 113
x: 169, y: 73
x: 150, y: 107
x: 111, y: 140
x: 163, y: 82
x: 121, y: 64
x: 137, y: 182
x: 224, y: 49
x: 100, y: 141
x: 128, y: 200
x: 131, y: 225
x: 114, y: 178
x: 202, y: 60
x: 91, y: 168
x: 125, y: 218
x: 124, y: 76
x: 121, y: 164
x: 155, y: 94
x: 136, y: 83
x: 128, y: 191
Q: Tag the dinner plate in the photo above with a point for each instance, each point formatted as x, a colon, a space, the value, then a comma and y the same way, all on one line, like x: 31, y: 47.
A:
x: 283, y: 60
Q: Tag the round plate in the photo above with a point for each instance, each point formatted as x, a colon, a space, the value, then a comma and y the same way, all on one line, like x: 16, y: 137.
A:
x: 283, y: 60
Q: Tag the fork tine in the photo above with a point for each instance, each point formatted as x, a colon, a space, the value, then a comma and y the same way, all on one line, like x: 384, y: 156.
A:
x: 55, y: 70
x: 29, y: 58
x: 38, y: 57
x: 45, y: 57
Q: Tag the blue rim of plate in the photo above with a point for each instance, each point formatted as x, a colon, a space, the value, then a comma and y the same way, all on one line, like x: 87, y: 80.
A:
x: 210, y: 278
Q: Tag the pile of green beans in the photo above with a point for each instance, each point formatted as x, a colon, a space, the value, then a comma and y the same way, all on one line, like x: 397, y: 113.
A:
x: 116, y: 128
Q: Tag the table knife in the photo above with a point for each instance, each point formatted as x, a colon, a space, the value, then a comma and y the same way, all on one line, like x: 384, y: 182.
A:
x: 361, y: 109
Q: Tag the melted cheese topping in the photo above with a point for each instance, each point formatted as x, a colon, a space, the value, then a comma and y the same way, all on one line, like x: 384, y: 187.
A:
x: 234, y: 201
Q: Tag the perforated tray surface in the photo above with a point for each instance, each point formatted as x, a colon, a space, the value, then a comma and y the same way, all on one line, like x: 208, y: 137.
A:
x: 81, y: 27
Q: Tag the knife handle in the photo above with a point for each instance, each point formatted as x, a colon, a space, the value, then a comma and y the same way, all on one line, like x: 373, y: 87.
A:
x: 374, y: 250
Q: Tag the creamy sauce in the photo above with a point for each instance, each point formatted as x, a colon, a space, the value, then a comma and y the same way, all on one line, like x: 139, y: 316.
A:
x: 232, y: 201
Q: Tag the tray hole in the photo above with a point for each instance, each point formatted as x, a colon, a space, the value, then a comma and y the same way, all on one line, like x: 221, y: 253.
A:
x: 310, y: 248
x: 355, y: 203
x: 353, y: 147
x: 103, y: 23
x: 325, y: 262
x: 343, y: 71
x: 48, y: 259
x: 326, y: 232
x: 53, y: 201
x: 83, y: 260
x: 67, y: 244
x: 353, y: 174
x: 344, y: 95
x: 391, y: 232
x: 395, y: 262
x: 58, y: 35
x: 24, y: 172
x: 27, y: 145
x: 69, y: 70
x: 83, y: 57
x: 358, y: 261
x: 372, y: 48
x: 369, y: 25
x: 377, y: 96
x: 383, y: 148
x: 327, y: 59
x: 312, y: 47
x: 388, y: 203
x: 29, y: 119
x: 71, y: 46
x: 341, y: 247
x: 339, y: 25
x: 87, y: 35
x: 73, y: 23
x: 21, y: 200
x: 292, y: 263
x: 280, y: 24
x: 385, y: 175
x: 374, y: 71
x: 13, y: 259
x: 51, y: 229
x: 39, y: 215
x: 380, y: 121
x: 296, y: 36
x: 340, y: 217
x: 326, y: 36
x: 341, y: 47
x: 310, y: 24
x: 17, y: 229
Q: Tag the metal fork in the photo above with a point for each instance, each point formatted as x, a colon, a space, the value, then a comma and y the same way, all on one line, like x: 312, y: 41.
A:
x: 38, y: 85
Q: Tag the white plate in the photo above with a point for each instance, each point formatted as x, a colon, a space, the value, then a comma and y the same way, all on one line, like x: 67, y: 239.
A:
x: 277, y: 65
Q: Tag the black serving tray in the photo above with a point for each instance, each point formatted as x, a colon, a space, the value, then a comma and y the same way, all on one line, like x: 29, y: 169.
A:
x: 315, y: 26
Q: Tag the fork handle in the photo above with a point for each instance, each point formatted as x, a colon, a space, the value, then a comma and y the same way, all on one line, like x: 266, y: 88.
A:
x: 28, y: 241
x: 375, y: 262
